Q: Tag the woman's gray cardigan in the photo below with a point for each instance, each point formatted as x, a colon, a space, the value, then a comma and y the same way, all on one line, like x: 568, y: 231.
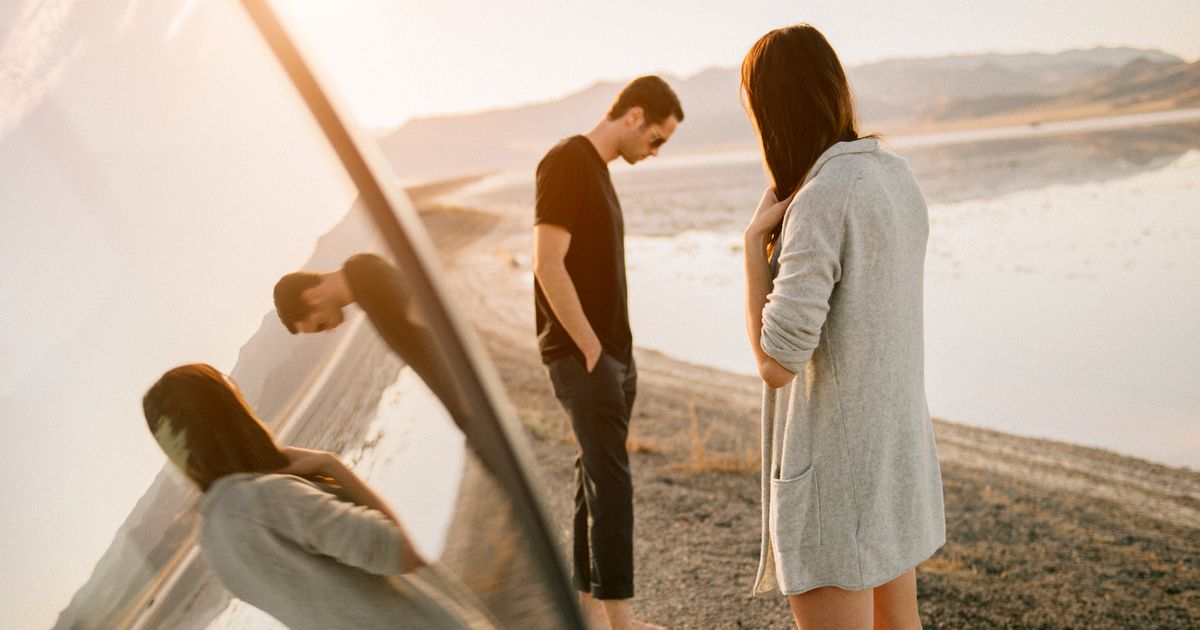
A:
x: 851, y: 490
x: 310, y: 560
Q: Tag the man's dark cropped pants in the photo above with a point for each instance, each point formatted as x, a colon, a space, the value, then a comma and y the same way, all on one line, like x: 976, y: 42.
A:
x: 599, y: 404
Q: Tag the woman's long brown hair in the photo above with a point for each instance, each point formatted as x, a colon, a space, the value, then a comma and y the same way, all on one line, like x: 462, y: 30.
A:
x: 219, y: 433
x: 799, y: 99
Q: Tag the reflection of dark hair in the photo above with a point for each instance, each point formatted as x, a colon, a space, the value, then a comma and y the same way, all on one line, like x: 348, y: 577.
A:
x: 653, y: 95
x: 289, y: 304
x: 800, y: 101
x: 207, y: 413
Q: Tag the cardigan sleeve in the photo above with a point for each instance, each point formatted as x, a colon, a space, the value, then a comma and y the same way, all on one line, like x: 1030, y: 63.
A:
x: 809, y: 268
x: 323, y: 524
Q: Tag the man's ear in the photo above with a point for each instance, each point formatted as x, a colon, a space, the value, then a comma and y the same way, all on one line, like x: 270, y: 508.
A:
x: 635, y: 116
x: 311, y: 296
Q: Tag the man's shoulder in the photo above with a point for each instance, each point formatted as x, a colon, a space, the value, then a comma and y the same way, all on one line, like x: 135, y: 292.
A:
x: 567, y: 151
x: 368, y: 267
x: 376, y: 285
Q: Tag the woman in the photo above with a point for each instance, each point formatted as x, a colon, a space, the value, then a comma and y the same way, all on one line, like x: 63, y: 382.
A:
x: 852, y: 493
x: 278, y: 540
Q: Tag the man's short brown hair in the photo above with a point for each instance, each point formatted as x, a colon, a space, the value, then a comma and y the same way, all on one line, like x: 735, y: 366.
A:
x: 289, y: 303
x: 657, y: 100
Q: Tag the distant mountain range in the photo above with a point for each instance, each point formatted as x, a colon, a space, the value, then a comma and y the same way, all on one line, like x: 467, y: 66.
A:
x: 894, y: 97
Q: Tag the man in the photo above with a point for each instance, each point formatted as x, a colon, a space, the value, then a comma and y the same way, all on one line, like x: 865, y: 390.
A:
x: 308, y: 302
x: 583, y: 330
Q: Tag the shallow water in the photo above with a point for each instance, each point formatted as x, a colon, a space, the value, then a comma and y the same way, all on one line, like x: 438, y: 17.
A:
x: 1070, y: 312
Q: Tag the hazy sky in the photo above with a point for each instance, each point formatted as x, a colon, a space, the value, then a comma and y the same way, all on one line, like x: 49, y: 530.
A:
x: 394, y: 60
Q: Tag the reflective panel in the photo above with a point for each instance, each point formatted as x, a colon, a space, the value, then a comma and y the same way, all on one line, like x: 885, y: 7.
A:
x: 161, y: 175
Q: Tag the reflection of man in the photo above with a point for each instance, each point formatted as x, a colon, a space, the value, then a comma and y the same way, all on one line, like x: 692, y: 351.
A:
x: 308, y: 302
x: 583, y: 330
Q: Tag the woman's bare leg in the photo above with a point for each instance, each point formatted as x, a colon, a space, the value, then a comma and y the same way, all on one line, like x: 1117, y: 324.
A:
x: 832, y: 608
x: 896, y: 604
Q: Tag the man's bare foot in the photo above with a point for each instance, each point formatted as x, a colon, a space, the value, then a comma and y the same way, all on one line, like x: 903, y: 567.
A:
x: 611, y: 614
x: 593, y: 612
x: 620, y: 616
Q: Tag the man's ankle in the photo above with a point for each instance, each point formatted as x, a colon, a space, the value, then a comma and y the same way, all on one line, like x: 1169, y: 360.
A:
x: 619, y: 613
x: 593, y: 611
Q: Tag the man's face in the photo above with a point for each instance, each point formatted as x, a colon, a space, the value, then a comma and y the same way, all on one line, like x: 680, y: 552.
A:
x: 645, y: 139
x: 325, y: 314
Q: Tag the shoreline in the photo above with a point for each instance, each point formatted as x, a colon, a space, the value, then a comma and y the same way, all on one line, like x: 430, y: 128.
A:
x: 1039, y: 531
x: 935, y: 135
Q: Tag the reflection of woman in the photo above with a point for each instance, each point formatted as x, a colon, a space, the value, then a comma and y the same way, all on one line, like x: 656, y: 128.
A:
x: 852, y: 495
x: 276, y: 539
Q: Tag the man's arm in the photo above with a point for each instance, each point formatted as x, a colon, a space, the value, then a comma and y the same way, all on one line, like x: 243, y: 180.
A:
x: 550, y: 244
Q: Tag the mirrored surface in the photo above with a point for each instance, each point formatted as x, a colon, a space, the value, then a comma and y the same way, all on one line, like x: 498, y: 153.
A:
x: 160, y: 175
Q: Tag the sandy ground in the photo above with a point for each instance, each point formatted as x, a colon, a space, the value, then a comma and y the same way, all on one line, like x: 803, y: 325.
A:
x: 1040, y: 533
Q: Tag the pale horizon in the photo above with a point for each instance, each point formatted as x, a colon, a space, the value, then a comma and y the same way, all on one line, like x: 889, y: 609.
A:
x: 370, y: 40
x: 689, y: 75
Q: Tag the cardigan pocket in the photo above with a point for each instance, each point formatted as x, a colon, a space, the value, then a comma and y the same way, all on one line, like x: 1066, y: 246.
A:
x: 796, y: 511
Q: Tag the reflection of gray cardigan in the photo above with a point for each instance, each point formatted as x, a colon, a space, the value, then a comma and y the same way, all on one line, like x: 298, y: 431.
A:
x: 312, y: 561
x: 852, y: 492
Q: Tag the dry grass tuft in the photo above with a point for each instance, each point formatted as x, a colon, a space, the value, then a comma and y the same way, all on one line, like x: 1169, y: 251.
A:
x: 942, y: 564
x: 743, y: 460
x: 636, y: 443
x: 541, y: 427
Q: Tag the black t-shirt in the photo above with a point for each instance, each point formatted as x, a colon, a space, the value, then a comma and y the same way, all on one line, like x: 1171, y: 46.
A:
x: 380, y: 291
x: 575, y: 192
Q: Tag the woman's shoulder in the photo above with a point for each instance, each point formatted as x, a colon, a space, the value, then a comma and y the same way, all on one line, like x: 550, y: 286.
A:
x: 848, y: 178
x: 847, y: 165
x: 250, y: 493
x: 848, y: 161
x: 828, y: 188
x: 835, y: 170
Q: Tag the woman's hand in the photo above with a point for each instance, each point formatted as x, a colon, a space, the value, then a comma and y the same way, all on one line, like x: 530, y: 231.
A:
x: 767, y: 216
x: 304, y: 462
